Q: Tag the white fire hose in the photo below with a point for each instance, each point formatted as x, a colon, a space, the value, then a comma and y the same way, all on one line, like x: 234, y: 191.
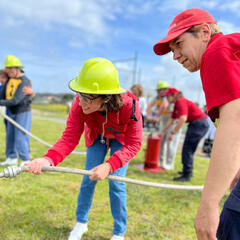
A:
x: 13, y: 171
x: 30, y: 134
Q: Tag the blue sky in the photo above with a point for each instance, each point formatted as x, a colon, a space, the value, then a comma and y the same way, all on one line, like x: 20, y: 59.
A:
x: 54, y: 38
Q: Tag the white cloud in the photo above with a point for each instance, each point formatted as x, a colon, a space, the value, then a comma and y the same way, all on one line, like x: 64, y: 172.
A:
x: 76, y: 44
x: 209, y: 4
x: 123, y: 66
x: 88, y: 16
x: 233, y: 6
x: 227, y: 27
x: 176, y: 76
x: 173, y: 4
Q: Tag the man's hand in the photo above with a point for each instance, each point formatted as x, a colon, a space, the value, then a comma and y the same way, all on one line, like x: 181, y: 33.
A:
x: 206, y: 222
x: 149, y: 118
x: 27, y: 90
x: 100, y: 172
x: 234, y: 181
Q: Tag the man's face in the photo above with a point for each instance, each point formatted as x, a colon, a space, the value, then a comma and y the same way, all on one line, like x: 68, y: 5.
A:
x: 188, y: 50
x: 12, y: 72
x: 161, y: 91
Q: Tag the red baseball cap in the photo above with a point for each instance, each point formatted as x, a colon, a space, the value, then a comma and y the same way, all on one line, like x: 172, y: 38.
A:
x: 180, y: 24
x: 170, y: 90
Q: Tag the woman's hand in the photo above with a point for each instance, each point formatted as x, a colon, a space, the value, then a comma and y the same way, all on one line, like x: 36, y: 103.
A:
x: 170, y: 137
x: 100, y: 172
x: 37, y: 164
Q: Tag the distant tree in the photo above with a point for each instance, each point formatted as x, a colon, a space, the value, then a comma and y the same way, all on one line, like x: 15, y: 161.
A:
x: 67, y: 97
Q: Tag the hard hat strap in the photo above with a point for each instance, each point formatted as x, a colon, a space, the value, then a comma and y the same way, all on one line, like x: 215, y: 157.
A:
x: 106, y: 115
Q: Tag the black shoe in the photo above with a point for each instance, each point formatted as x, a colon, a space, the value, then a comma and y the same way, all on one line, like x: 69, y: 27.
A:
x: 183, y: 178
x: 181, y: 173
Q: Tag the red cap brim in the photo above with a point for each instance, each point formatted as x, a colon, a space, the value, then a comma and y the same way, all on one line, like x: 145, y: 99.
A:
x: 162, y: 47
x: 165, y: 94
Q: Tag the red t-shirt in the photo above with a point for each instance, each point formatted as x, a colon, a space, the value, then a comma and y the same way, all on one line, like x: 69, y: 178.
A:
x: 186, y: 107
x: 220, y: 71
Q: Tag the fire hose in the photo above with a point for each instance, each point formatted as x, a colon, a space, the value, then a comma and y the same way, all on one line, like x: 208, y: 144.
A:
x: 13, y: 171
x: 30, y: 134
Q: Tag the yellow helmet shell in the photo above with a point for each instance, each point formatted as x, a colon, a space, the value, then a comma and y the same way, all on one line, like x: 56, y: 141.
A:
x: 12, y: 61
x: 97, y: 76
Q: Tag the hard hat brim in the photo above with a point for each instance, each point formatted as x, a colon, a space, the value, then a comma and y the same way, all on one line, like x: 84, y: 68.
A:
x: 74, y: 86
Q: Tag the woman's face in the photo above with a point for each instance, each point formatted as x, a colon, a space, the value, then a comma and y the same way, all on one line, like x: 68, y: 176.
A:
x: 171, y: 98
x: 91, y: 103
x: 3, y: 78
x: 135, y: 91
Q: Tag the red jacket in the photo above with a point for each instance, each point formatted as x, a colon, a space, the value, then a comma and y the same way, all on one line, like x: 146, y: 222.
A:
x: 119, y: 125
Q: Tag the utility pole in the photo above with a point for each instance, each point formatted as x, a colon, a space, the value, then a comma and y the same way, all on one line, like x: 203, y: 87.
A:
x: 132, y: 71
x: 139, y: 76
x: 135, y: 68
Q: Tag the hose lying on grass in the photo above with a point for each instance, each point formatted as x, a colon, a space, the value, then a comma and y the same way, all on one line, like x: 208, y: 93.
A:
x: 30, y: 134
x: 13, y: 171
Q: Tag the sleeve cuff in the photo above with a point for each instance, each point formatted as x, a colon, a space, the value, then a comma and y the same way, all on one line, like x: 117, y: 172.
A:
x: 115, y: 163
x: 49, y: 160
x: 55, y: 157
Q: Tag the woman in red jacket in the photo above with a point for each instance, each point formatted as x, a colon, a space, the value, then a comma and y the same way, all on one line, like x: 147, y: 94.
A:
x: 186, y: 112
x: 110, y: 118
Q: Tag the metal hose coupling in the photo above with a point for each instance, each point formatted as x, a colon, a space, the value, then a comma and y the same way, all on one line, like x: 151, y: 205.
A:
x: 12, y: 171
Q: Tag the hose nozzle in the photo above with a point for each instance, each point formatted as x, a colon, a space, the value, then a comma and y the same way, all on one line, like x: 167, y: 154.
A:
x: 12, y: 171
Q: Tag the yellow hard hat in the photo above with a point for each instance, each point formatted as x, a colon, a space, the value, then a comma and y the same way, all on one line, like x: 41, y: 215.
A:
x: 97, y: 76
x: 12, y: 61
x: 161, y: 85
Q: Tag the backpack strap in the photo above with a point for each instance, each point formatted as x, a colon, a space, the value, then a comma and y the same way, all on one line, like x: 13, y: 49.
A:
x: 133, y: 111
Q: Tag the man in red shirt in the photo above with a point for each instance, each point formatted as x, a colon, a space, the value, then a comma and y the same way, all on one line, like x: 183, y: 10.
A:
x: 186, y: 112
x: 198, y: 44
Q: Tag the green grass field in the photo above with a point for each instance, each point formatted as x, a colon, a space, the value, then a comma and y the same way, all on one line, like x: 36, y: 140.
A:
x: 43, y: 207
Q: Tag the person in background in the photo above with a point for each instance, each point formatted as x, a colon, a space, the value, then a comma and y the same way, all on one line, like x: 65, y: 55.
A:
x: 197, y: 43
x: 168, y: 149
x: 3, y: 79
x: 111, y: 119
x: 137, y: 91
x: 209, y: 137
x: 157, y: 108
x: 186, y: 112
x: 19, y: 109
x: 27, y: 90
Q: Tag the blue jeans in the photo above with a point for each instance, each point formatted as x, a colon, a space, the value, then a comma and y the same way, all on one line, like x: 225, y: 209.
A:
x: 117, y: 190
x: 195, y: 131
x: 17, y: 142
x: 229, y: 225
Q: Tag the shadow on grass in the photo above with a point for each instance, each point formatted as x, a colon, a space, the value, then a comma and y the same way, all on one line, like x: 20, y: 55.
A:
x: 38, y: 227
x: 94, y: 237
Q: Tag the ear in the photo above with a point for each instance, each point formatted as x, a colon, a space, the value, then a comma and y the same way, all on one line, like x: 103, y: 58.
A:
x: 205, y: 32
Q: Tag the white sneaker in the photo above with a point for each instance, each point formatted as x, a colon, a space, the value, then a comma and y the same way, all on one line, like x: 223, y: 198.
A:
x: 78, y: 231
x: 23, y: 162
x: 10, y: 161
x: 116, y: 237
